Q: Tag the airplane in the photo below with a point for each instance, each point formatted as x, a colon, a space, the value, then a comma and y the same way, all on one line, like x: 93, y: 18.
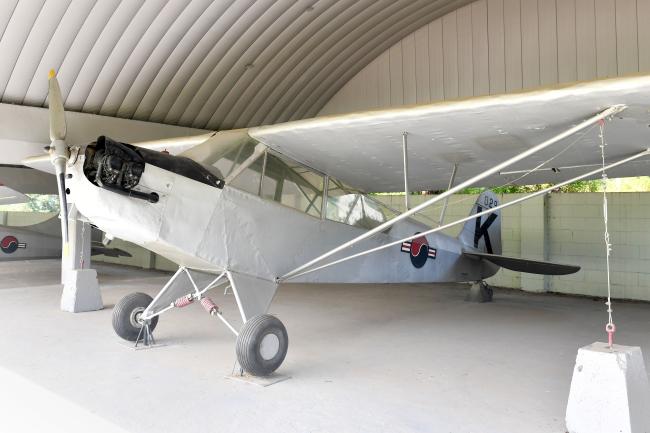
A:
x: 256, y: 207
x: 43, y: 241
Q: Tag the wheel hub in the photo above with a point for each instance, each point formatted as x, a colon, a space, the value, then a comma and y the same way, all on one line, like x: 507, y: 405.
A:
x: 269, y: 346
x: 136, y: 317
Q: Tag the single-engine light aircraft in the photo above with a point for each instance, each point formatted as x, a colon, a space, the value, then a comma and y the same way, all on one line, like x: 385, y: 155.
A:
x: 253, y: 208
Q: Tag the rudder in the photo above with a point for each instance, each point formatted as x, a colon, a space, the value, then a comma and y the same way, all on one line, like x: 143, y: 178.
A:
x: 483, y: 233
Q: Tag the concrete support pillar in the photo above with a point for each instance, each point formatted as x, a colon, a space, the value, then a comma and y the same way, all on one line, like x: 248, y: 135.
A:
x: 534, y: 241
x: 80, y: 287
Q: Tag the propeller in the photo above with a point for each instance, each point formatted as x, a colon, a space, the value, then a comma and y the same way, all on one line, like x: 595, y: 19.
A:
x: 59, y: 150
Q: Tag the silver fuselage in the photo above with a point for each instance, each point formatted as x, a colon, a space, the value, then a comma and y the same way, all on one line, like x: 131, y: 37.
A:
x: 206, y: 228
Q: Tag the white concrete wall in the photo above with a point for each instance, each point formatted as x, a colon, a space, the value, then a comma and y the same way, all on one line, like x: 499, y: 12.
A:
x: 501, y: 46
x: 576, y: 235
x: 19, y: 219
x: 568, y: 228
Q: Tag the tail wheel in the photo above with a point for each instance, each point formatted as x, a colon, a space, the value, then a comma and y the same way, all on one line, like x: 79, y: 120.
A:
x: 262, y: 345
x: 486, y: 292
x: 127, y: 313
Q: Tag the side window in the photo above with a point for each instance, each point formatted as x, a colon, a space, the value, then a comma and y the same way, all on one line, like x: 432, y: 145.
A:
x: 249, y: 179
x: 354, y: 208
x: 232, y: 155
x: 292, y: 185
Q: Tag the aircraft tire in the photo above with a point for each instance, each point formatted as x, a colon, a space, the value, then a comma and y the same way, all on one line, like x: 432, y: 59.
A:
x: 125, y: 315
x: 262, y: 345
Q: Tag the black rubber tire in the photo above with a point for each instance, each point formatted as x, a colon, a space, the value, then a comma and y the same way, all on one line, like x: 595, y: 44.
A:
x: 249, y: 341
x: 122, y: 315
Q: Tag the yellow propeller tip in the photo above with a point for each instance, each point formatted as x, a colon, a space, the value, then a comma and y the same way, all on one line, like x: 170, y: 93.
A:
x: 52, y: 74
x: 66, y: 250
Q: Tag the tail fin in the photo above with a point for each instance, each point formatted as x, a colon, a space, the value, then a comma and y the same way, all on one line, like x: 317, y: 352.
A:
x: 483, y: 234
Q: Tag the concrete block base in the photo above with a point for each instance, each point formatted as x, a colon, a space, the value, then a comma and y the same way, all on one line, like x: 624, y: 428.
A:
x: 479, y: 292
x: 259, y: 381
x: 81, y: 291
x: 609, y: 391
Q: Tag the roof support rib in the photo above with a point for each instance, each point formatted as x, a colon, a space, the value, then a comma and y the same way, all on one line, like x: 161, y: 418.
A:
x: 405, y: 155
x: 452, y: 179
x: 497, y: 168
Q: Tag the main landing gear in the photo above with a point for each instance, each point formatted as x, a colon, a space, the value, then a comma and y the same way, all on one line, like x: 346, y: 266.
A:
x: 127, y: 317
x: 262, y: 345
x: 262, y: 341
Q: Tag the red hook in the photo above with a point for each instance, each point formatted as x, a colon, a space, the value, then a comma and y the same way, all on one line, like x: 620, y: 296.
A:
x: 610, y: 328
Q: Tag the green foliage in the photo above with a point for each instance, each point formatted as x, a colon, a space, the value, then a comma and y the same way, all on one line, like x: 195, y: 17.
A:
x: 36, y: 203
x: 632, y: 184
x: 43, y: 203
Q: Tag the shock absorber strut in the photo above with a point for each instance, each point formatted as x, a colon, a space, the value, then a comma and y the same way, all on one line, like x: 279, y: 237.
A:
x: 212, y: 309
x: 209, y: 306
x: 183, y: 301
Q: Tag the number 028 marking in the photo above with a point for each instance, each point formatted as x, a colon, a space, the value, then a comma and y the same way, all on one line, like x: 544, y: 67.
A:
x: 489, y: 202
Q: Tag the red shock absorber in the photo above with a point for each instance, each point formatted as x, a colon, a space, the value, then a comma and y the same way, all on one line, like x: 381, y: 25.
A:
x: 183, y: 301
x: 209, y: 306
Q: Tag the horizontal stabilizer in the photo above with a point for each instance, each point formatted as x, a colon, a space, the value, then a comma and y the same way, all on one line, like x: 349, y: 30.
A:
x: 98, y: 249
x: 525, y: 265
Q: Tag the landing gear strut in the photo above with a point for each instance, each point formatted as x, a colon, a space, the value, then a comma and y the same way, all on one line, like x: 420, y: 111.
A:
x: 262, y: 341
x: 479, y: 291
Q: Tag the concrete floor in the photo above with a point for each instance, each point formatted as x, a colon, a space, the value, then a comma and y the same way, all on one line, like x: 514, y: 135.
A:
x: 363, y: 358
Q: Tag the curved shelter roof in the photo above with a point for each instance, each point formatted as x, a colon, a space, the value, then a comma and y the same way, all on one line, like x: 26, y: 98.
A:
x: 205, y: 64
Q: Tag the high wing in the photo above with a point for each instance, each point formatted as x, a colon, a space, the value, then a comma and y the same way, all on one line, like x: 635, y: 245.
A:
x: 364, y: 149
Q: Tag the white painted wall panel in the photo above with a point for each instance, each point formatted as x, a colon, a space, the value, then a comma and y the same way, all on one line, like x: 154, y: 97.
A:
x: 529, y: 44
x: 436, y: 61
x: 547, y: 42
x: 586, y: 39
x: 371, y: 89
x: 423, y: 94
x: 396, y: 80
x: 383, y: 73
x: 606, y: 38
x: 408, y: 69
x: 512, y: 34
x: 480, y: 48
x: 465, y: 54
x: 450, y: 53
x: 643, y: 28
x: 627, y: 49
x: 497, y: 46
x: 566, y: 41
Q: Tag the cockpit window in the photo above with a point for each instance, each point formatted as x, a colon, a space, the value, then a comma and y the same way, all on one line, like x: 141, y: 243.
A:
x: 233, y: 155
x: 292, y: 184
x: 275, y: 177
x: 351, y: 207
x: 272, y: 176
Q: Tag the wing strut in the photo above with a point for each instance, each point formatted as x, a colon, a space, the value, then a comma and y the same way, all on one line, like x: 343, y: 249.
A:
x: 497, y: 168
x: 405, y: 156
x: 294, y: 274
x: 452, y: 179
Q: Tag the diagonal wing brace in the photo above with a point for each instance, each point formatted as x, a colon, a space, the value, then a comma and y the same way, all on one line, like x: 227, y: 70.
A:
x: 614, y: 109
